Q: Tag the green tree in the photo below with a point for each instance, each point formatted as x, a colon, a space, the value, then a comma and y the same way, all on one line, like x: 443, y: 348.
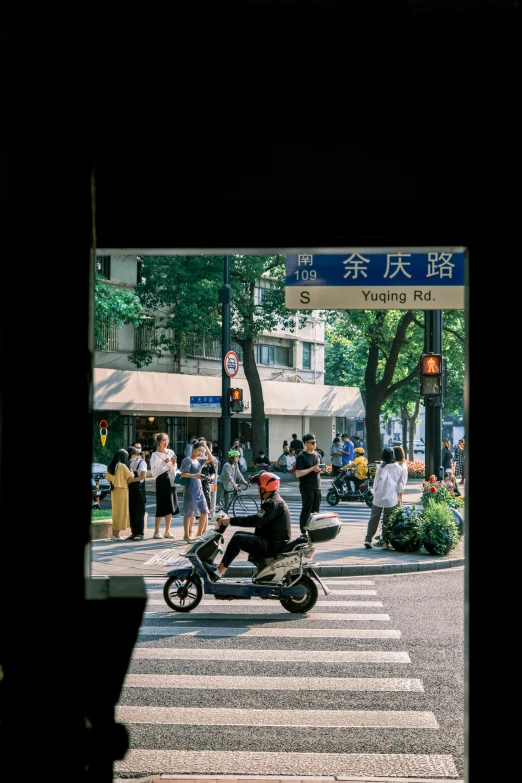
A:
x: 113, y: 307
x: 379, y: 350
x: 185, y: 290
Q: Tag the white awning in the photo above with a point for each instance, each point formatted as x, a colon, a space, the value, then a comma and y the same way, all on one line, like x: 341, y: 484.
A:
x: 169, y: 394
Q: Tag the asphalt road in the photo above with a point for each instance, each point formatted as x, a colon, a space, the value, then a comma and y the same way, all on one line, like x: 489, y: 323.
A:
x: 246, y: 687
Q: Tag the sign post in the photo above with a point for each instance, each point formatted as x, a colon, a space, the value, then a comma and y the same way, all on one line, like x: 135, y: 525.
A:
x: 224, y: 298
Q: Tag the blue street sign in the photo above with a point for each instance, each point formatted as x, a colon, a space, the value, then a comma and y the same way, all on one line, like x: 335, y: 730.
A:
x: 205, y: 402
x: 377, y: 279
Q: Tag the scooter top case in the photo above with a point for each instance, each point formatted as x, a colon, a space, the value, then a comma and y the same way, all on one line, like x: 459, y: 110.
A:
x: 323, y: 527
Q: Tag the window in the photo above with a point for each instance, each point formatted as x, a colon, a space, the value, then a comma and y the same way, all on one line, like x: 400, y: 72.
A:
x: 261, y: 287
x: 203, y: 347
x: 103, y: 266
x: 237, y: 349
x: 144, y: 335
x: 307, y: 356
x: 110, y: 334
x: 272, y: 354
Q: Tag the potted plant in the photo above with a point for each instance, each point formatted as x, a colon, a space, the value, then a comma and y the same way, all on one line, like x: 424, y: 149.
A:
x: 438, y: 531
x: 404, y: 527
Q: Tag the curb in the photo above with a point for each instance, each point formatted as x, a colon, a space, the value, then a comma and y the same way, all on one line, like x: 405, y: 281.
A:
x: 365, y: 570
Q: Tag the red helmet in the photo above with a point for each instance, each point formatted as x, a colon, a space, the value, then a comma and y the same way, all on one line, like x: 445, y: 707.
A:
x: 267, y: 481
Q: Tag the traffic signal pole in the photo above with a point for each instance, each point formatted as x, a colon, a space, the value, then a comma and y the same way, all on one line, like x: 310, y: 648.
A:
x: 224, y: 298
x: 433, y: 405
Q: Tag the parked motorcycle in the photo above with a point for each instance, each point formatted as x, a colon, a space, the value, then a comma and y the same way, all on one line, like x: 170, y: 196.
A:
x: 363, y: 494
x: 284, y: 578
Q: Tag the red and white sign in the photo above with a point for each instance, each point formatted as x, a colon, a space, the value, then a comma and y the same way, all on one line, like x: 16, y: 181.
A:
x: 231, y: 364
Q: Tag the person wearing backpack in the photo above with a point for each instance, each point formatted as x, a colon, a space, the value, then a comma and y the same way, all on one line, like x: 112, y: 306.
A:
x: 387, y: 486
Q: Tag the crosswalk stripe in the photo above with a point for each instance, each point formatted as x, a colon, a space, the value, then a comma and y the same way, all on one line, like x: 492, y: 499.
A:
x: 284, y: 656
x: 195, y: 617
x: 155, y: 585
x: 239, y: 605
x: 234, y: 762
x: 195, y: 681
x: 245, y: 633
x: 388, y: 719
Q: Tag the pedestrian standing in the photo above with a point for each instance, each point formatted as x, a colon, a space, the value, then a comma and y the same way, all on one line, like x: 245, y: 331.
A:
x: 446, y: 457
x: 459, y: 460
x: 307, y: 470
x: 209, y: 471
x: 336, y: 455
x: 347, y: 449
x: 296, y: 445
x: 194, y: 502
x: 118, y: 474
x: 387, y: 485
x: 137, y: 493
x: 400, y: 459
x: 163, y: 462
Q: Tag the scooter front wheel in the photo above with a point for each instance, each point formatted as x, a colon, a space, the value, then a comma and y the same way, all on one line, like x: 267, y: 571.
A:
x: 183, y: 595
x: 305, y: 602
x: 368, y: 498
x: 332, y: 498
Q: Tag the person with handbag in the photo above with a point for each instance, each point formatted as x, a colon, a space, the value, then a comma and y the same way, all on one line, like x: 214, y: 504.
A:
x: 387, y: 488
x: 118, y: 474
x: 194, y: 502
x: 137, y: 493
x: 163, y: 462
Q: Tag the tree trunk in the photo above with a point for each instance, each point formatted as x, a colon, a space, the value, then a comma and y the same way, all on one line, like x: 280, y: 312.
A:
x: 412, y: 421
x: 405, y: 421
x: 373, y: 427
x: 257, y: 403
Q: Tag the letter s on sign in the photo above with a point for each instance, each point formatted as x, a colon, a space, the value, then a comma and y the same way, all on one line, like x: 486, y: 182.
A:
x: 305, y: 297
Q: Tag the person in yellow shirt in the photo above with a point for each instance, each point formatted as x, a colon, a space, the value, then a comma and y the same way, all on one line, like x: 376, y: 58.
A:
x: 359, y: 466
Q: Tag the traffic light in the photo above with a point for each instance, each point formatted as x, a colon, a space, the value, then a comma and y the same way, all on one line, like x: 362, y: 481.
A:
x: 236, y: 400
x: 431, y: 375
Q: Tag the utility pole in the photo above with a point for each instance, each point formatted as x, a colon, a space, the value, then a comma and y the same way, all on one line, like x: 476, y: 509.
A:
x: 433, y: 405
x: 224, y: 298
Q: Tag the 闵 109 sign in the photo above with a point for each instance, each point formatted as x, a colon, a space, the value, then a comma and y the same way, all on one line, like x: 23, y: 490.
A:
x: 377, y: 279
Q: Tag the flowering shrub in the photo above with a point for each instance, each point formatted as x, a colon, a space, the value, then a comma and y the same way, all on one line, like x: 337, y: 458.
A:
x: 327, y: 470
x: 415, y: 469
x: 404, y: 526
x: 435, y: 491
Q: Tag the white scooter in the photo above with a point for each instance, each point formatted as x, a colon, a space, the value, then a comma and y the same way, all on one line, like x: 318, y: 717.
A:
x: 285, y: 578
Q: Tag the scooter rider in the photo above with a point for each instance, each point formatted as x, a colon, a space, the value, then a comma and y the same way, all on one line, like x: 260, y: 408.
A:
x: 360, y: 472
x: 272, y: 525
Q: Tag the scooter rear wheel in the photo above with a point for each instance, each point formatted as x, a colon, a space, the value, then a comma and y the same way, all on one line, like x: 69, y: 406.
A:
x: 307, y: 602
x: 368, y: 498
x: 332, y: 498
x: 183, y: 595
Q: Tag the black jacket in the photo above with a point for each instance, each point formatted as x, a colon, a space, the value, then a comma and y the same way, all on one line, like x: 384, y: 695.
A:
x: 272, y: 522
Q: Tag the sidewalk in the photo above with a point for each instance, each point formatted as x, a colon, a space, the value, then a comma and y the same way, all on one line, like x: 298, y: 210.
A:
x: 344, y: 556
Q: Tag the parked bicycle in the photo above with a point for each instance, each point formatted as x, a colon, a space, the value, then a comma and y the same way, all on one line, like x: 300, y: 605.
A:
x: 239, y: 504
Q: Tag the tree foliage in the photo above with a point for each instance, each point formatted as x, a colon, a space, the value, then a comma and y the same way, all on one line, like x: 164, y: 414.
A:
x: 113, y: 307
x: 379, y: 351
x: 184, y: 290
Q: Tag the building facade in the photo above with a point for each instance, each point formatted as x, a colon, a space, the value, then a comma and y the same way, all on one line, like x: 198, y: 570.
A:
x: 177, y: 393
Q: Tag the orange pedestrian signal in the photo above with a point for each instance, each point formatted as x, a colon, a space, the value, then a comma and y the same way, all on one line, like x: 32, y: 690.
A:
x: 431, y: 375
x: 431, y: 364
x: 236, y: 400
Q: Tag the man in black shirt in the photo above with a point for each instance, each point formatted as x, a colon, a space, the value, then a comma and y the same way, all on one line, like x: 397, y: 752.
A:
x: 307, y: 471
x: 272, y: 525
x: 296, y: 444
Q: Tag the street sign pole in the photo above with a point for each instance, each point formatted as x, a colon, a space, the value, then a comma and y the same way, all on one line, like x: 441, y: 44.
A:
x: 433, y: 405
x: 224, y: 298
